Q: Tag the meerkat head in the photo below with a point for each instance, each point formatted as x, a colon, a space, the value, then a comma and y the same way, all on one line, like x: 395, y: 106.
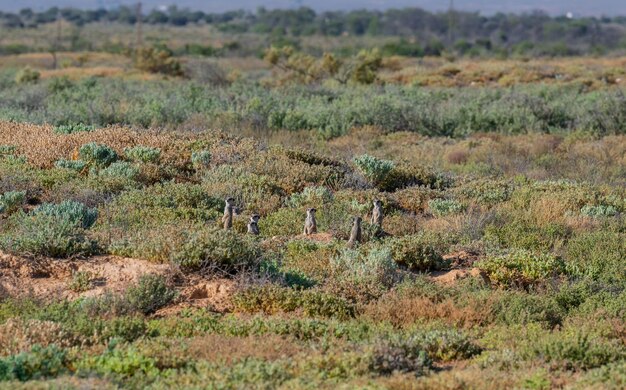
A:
x: 378, y: 203
x: 255, y: 218
x: 357, y: 220
x: 230, y: 201
x: 311, y: 211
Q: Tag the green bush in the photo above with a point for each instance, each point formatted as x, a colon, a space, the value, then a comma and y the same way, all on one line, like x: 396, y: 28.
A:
x: 224, y: 249
x: 97, y: 155
x: 310, y: 197
x: 27, y: 75
x: 149, y: 294
x: 74, y: 165
x: 74, y: 128
x: 120, y: 170
x: 599, y: 211
x: 39, y: 363
x: 12, y: 201
x: 75, y: 213
x: 374, y: 271
x: 143, y: 154
x: 273, y: 299
x: 45, y: 235
x: 444, y: 345
x: 373, y: 168
x: 400, y: 355
x: 201, y: 159
x: 521, y: 268
x: 123, y: 363
x: 416, y: 253
x: 81, y: 281
x: 597, y: 256
x: 443, y: 207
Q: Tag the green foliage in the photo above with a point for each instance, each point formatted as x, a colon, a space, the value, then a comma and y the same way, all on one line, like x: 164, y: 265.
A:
x: 416, y: 253
x: 599, y: 211
x: 120, y: 170
x: 374, y: 271
x: 400, y: 355
x: 521, y: 268
x: 145, y: 154
x: 373, y: 168
x: 45, y: 235
x: 81, y: 281
x: 39, y: 363
x: 201, y: 159
x: 11, y: 201
x: 27, y: 75
x: 443, y: 207
x: 75, y: 213
x: 597, y: 256
x: 74, y: 165
x: 273, y: 299
x: 73, y: 128
x: 121, y: 362
x: 149, y: 294
x: 97, y: 155
x: 310, y: 197
x: 157, y: 60
x: 219, y: 248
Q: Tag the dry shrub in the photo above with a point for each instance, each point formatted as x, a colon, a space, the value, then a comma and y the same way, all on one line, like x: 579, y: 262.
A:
x: 42, y: 147
x: 401, y: 224
x: 414, y: 199
x: 403, y: 311
x: 217, y: 348
x: 18, y: 335
x: 457, y: 156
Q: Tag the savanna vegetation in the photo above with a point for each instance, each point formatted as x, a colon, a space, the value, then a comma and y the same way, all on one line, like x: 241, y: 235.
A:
x: 500, y: 261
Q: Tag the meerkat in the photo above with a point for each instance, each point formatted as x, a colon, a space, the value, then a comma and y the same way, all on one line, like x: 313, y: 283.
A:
x: 310, y: 224
x: 253, y: 224
x: 227, y: 219
x: 253, y: 228
x: 377, y: 213
x: 355, y: 234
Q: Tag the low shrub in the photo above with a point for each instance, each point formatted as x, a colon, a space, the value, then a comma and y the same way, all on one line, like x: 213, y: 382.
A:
x: 120, y: 170
x: 74, y: 128
x: 373, y: 168
x: 149, y: 294
x: 400, y: 355
x: 38, y: 363
x: 598, y: 211
x: 272, y: 299
x: 521, y: 268
x: 416, y: 253
x: 81, y: 281
x: 74, y: 165
x: 443, y: 207
x: 74, y: 212
x: 597, y: 256
x: 45, y: 235
x: 97, y: 155
x: 143, y: 154
x: 310, y: 197
x: 222, y: 249
x: 27, y: 75
x: 11, y: 201
x: 201, y: 159
x: 373, y: 271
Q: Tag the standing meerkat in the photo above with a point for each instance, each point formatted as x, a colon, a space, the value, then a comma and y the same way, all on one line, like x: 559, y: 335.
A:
x: 377, y: 213
x: 253, y: 225
x: 253, y: 228
x: 310, y: 224
x: 355, y: 234
x: 227, y: 219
